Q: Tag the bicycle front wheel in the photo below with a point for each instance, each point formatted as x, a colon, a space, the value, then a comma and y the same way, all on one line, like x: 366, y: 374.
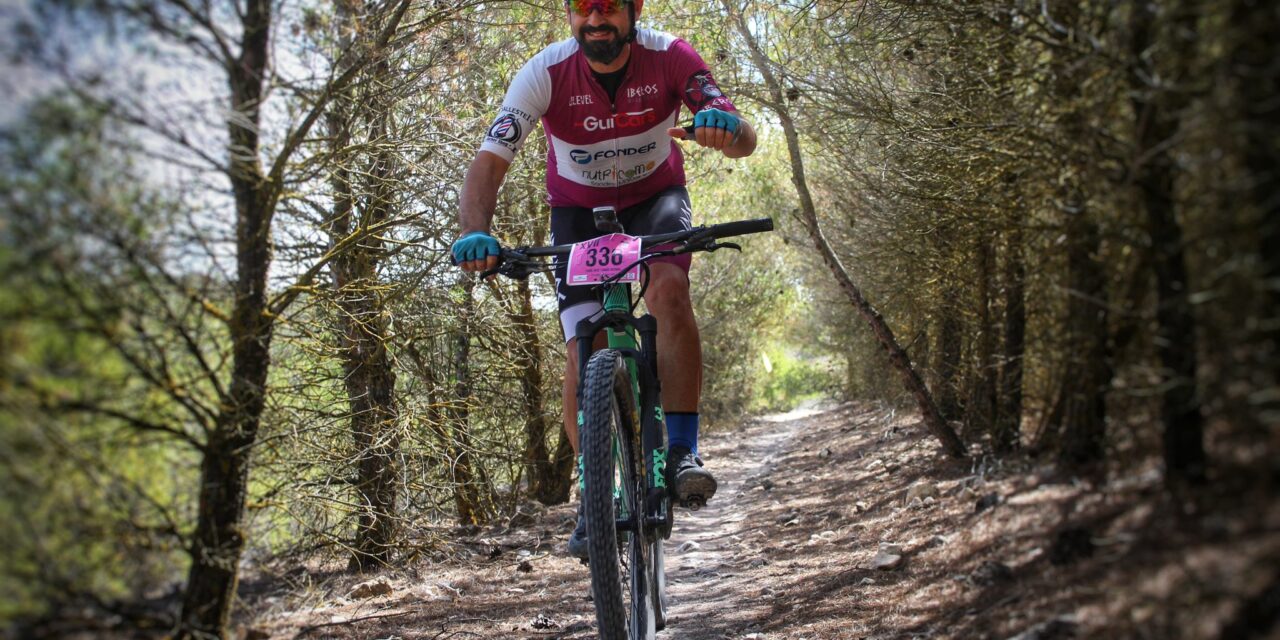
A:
x: 620, y: 557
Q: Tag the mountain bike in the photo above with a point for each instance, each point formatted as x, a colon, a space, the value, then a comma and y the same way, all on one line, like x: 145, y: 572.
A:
x: 620, y: 422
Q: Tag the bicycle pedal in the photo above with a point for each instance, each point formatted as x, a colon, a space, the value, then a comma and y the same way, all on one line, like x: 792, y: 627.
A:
x: 693, y: 503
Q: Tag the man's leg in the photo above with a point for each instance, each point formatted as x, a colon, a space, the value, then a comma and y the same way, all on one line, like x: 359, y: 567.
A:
x: 569, y: 398
x: 680, y: 369
x: 679, y: 345
x: 577, y: 539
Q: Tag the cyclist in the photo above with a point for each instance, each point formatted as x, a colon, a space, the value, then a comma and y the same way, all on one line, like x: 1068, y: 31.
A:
x: 608, y: 98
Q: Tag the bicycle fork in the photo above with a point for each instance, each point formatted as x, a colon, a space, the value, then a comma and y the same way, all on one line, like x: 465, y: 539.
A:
x: 641, y: 358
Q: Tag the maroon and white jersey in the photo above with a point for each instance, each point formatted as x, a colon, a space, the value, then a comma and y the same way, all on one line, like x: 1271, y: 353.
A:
x: 602, y: 153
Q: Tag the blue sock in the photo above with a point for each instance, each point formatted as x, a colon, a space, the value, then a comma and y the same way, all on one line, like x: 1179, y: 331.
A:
x: 682, y: 431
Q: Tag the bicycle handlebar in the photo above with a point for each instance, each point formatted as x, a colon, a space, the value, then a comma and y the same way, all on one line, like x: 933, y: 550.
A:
x: 741, y: 227
x: 518, y: 263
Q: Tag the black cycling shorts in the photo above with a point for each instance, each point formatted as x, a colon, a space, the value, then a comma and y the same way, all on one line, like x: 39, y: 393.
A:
x: 668, y: 211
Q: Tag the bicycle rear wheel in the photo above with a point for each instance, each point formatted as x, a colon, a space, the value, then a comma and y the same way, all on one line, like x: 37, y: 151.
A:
x: 657, y: 576
x: 620, y: 557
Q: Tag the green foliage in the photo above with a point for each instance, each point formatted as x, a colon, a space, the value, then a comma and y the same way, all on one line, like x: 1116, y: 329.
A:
x: 794, y: 377
x: 90, y: 507
x: 86, y: 507
x: 746, y: 303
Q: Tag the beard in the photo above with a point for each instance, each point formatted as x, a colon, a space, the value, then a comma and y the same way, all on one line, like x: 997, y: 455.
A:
x: 602, y: 51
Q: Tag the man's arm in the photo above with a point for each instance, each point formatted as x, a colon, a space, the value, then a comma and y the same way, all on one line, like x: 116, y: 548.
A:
x: 479, y: 200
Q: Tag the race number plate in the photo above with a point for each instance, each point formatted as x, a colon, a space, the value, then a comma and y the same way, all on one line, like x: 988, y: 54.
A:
x: 596, y: 260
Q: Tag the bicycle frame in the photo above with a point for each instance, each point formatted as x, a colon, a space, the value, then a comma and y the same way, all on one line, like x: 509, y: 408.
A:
x: 636, y: 339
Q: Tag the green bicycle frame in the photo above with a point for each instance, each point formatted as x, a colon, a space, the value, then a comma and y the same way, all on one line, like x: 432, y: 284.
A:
x: 635, y: 338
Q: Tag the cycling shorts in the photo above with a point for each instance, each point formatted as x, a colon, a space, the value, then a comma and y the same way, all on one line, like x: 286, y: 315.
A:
x: 666, y: 212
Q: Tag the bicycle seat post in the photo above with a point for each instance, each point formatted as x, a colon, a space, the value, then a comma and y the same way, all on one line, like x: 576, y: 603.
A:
x: 607, y: 219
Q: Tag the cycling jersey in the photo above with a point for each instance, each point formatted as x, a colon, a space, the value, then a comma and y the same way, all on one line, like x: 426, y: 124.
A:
x: 603, y: 152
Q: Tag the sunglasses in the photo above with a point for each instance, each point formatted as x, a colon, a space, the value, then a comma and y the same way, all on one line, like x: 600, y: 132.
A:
x: 605, y: 7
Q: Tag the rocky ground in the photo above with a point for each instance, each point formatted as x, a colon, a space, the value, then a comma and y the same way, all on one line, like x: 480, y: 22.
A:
x: 847, y: 522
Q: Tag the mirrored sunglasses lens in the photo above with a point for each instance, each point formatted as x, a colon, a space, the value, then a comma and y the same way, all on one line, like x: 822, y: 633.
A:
x: 585, y: 7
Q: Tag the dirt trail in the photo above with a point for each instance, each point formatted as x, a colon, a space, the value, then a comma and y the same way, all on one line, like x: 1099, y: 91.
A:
x: 846, y: 522
x: 710, y: 548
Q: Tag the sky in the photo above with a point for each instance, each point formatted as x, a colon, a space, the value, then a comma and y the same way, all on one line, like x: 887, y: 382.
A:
x: 19, y: 82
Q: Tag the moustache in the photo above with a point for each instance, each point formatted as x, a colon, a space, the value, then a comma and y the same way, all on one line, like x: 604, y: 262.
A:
x: 604, y: 28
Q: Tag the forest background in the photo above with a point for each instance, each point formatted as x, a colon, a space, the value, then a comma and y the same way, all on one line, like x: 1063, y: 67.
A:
x: 231, y: 334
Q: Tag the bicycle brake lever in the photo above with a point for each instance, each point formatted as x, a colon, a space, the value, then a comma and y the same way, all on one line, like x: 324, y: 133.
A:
x: 522, y: 270
x: 695, y: 242
x: 712, y: 245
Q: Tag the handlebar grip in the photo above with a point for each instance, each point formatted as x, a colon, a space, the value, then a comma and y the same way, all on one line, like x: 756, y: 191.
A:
x: 741, y: 227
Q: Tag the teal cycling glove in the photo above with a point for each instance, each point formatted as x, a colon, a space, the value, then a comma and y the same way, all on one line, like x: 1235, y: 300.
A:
x: 716, y: 119
x: 476, y: 245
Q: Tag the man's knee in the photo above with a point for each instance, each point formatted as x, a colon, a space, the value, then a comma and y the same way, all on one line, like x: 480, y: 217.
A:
x: 668, y: 291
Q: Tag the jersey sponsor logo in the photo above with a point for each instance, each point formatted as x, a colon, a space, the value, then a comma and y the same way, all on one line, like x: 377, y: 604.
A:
x: 629, y: 120
x: 701, y: 89
x: 505, y: 129
x: 583, y: 156
x: 642, y: 92
x: 524, y: 115
x: 606, y: 176
x: 619, y: 160
x: 578, y: 101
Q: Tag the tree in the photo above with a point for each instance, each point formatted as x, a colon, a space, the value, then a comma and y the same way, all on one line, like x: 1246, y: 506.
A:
x: 776, y: 101
x: 1160, y: 97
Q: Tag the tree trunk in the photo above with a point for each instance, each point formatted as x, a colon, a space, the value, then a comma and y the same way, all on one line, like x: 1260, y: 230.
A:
x: 466, y: 485
x: 897, y: 355
x: 219, y: 537
x: 541, y: 466
x: 1008, y: 430
x: 368, y: 373
x: 1254, y: 69
x: 949, y: 351
x: 370, y: 383
x: 1088, y: 371
x: 1158, y: 111
x: 981, y: 406
x: 1088, y: 376
x: 549, y: 472
x: 561, y: 469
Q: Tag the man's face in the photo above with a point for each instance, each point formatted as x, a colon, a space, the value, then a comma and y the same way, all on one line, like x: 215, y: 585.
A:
x: 602, y: 33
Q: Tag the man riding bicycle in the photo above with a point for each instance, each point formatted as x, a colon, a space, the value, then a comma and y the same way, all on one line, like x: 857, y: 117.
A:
x: 609, y: 98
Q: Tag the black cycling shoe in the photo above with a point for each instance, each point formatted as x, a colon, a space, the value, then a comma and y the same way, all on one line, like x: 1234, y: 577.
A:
x: 578, y: 539
x: 692, y: 485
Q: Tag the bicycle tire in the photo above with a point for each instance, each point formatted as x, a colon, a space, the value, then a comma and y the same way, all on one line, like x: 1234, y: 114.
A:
x: 658, y: 582
x: 609, y: 421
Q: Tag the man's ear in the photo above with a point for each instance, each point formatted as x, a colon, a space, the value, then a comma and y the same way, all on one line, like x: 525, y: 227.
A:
x: 639, y: 5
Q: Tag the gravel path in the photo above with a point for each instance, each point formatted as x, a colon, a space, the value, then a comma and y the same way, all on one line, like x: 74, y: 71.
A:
x: 710, y: 547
